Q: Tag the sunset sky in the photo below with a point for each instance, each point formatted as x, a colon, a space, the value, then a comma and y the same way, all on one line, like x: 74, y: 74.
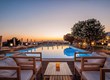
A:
x: 48, y: 19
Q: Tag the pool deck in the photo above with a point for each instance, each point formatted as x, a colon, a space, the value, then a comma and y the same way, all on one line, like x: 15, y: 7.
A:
x: 70, y: 61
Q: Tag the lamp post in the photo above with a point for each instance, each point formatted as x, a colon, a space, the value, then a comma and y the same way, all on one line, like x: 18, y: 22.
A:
x: 21, y: 41
x: 14, y: 42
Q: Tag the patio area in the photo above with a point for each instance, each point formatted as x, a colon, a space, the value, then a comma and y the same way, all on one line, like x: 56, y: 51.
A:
x: 34, y: 67
x: 70, y: 64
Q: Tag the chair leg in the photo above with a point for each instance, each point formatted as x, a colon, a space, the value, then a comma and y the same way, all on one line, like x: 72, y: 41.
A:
x: 74, y: 70
x: 35, y: 77
x: 81, y: 78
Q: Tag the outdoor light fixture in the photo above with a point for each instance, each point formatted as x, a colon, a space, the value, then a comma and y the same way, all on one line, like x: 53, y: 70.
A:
x: 57, y: 66
x: 34, y: 43
x: 79, y: 43
x: 92, y: 43
x: 11, y: 44
x: 108, y: 44
x: 102, y: 43
x: 84, y: 43
x: 26, y: 44
x: 107, y: 38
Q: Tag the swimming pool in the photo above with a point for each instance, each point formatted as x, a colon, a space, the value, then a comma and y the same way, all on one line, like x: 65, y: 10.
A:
x: 55, y: 51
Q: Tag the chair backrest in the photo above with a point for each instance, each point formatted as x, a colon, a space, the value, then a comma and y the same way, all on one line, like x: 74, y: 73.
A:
x: 107, y: 63
x: 10, y: 61
x: 95, y: 54
x: 7, y: 62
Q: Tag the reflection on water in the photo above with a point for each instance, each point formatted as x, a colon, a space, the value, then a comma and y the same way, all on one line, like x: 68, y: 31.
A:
x: 62, y: 47
x: 54, y: 51
x: 52, y: 47
x: 42, y: 47
x: 57, y: 46
x: 48, y: 47
x: 69, y: 51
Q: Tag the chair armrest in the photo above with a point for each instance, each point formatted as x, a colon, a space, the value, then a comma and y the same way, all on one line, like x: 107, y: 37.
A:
x: 40, y: 57
x: 92, y: 64
x: 1, y: 56
x: 77, y: 58
x: 17, y: 68
x: 33, y: 52
x: 83, y: 63
x: 9, y: 68
x: 102, y: 73
x: 105, y: 69
x: 25, y: 57
x: 32, y: 62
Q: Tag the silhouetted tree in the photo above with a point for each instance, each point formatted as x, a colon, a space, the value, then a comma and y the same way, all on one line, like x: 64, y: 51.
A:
x: 17, y: 42
x: 69, y: 37
x: 89, y: 30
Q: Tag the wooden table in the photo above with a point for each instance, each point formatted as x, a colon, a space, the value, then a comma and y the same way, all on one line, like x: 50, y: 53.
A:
x: 63, y: 74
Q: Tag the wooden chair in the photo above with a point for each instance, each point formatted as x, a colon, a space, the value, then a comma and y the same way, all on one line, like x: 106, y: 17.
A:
x: 9, y: 70
x: 103, y: 73
x: 78, y: 59
x: 86, y: 64
x: 32, y: 61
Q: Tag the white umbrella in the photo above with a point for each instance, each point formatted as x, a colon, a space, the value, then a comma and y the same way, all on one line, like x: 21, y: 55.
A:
x: 14, y: 42
x: 27, y: 42
x: 31, y: 42
x: 21, y: 41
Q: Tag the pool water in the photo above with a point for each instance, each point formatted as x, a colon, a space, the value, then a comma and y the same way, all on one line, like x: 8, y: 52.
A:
x: 56, y: 51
